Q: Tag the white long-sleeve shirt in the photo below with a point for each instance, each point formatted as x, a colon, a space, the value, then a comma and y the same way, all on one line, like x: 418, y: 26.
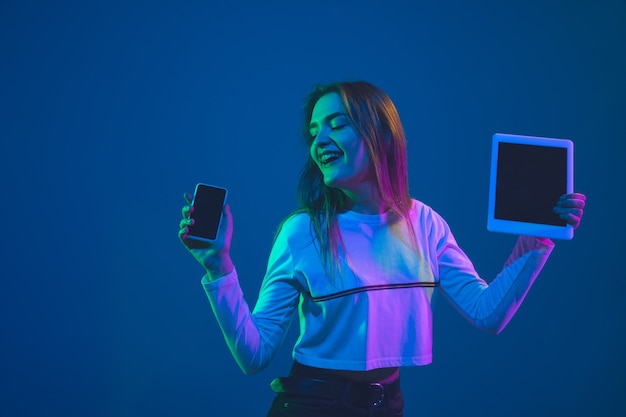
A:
x: 378, y: 313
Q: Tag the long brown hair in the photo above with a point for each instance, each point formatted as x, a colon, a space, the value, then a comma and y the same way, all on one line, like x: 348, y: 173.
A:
x: 376, y: 119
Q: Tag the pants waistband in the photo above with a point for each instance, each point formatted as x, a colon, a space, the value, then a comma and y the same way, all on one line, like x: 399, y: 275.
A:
x: 315, y: 382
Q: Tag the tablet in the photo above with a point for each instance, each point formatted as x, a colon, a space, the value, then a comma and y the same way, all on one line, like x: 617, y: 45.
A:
x: 528, y: 175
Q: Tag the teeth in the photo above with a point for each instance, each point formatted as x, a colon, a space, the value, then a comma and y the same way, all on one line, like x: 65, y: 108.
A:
x: 326, y: 157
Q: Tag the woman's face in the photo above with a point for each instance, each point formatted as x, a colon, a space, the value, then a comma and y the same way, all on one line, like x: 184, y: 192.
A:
x: 337, y: 148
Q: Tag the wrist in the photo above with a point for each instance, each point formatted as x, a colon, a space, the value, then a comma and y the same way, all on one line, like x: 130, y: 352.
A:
x: 219, y: 268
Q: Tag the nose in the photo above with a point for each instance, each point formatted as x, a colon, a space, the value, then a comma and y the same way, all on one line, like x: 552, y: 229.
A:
x: 322, y: 138
x: 321, y: 141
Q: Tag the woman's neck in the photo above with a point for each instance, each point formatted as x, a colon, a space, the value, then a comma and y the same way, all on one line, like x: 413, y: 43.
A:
x: 366, y: 200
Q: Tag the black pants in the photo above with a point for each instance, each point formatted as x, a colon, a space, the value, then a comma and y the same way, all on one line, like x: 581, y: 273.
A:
x: 312, y: 392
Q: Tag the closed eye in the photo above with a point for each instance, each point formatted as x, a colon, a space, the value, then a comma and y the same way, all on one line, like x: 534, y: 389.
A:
x: 336, y: 117
x: 334, y: 128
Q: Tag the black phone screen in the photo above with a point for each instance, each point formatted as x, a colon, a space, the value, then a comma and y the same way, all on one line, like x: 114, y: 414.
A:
x: 208, y: 202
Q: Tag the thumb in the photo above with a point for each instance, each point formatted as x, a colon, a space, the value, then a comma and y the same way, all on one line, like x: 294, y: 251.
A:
x: 227, y: 221
x: 228, y: 216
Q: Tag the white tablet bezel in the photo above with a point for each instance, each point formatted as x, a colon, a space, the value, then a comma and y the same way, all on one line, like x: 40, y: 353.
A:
x: 521, y: 227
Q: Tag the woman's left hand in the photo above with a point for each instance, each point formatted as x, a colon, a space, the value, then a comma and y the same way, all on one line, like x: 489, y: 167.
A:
x: 570, y: 208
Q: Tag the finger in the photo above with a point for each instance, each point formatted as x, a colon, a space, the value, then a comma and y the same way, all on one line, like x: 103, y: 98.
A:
x: 182, y: 234
x: 188, y: 197
x: 184, y: 223
x: 571, y: 219
x: 226, y: 228
x: 572, y: 216
x: 187, y: 210
x: 226, y: 216
x: 574, y: 196
x: 563, y: 211
x: 571, y: 203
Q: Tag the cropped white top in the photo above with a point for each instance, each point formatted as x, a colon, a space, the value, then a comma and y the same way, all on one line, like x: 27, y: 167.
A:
x: 378, y: 312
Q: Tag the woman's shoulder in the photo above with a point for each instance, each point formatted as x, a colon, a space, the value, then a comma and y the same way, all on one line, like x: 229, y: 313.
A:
x: 425, y: 214
x: 422, y: 209
x: 296, y: 224
x: 295, y: 220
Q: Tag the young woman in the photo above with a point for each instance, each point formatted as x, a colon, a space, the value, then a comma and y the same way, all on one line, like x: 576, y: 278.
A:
x: 359, y: 261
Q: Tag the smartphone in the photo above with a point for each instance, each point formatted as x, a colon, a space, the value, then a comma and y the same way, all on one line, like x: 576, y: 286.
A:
x: 208, y: 202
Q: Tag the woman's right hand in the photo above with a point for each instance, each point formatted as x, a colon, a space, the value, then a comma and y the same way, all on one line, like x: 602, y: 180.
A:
x: 213, y: 256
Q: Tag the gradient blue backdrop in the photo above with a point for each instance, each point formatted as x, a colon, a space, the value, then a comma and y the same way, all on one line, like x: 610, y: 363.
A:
x: 110, y: 110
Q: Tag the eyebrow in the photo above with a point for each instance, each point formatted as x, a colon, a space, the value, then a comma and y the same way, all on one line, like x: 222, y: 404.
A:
x: 327, y: 119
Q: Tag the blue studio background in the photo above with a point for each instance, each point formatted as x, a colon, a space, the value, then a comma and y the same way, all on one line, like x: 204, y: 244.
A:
x: 110, y: 110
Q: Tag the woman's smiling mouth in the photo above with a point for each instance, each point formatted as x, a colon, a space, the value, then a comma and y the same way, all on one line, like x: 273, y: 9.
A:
x: 327, y: 157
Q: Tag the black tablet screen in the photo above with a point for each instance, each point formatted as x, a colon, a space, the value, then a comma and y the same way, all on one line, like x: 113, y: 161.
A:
x: 529, y: 182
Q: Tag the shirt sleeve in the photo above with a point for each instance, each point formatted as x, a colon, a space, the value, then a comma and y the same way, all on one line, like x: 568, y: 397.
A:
x: 253, y: 337
x: 491, y: 306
